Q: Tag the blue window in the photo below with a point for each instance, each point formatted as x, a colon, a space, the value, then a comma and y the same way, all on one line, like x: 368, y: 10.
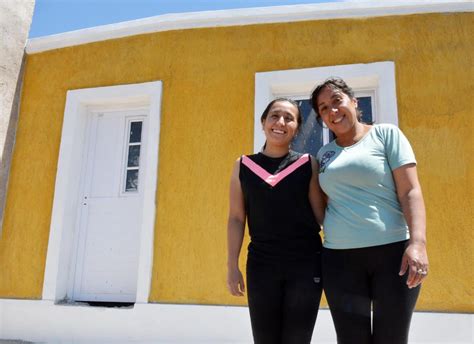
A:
x: 364, y: 104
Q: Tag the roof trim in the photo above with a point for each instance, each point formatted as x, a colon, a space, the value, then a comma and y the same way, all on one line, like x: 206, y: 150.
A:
x: 246, y: 16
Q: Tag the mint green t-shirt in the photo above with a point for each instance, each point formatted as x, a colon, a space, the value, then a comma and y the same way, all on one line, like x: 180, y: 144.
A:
x: 363, y: 209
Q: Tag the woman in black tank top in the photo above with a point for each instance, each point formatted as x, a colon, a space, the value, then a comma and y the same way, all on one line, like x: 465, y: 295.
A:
x: 277, y: 192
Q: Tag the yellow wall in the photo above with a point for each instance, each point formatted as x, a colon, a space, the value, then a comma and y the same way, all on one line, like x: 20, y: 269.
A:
x: 207, y: 121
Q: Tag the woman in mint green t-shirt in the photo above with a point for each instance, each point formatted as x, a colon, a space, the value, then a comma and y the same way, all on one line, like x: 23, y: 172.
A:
x: 374, y: 254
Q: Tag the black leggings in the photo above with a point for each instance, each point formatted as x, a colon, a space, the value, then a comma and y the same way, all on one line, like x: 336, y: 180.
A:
x: 355, y: 280
x: 283, y: 302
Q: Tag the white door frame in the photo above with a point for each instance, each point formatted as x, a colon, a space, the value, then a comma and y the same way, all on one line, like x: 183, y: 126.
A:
x: 57, y: 286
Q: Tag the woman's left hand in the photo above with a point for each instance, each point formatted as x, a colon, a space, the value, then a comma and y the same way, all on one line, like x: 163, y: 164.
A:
x: 415, y: 260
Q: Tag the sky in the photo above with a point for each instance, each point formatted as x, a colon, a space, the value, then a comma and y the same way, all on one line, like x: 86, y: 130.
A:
x: 56, y: 16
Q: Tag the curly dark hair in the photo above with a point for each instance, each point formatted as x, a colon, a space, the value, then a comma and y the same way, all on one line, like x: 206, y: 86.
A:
x: 334, y: 83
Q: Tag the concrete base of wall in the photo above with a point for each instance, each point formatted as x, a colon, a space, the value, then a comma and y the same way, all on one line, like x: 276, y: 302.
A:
x: 45, y: 322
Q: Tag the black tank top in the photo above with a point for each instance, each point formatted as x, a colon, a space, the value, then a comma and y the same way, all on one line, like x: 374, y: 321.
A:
x: 281, y: 222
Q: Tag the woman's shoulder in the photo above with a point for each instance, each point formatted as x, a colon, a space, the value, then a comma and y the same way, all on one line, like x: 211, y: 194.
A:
x: 253, y: 157
x: 387, y: 132
x: 328, y: 147
x: 301, y: 157
x: 385, y: 126
x: 249, y: 155
x: 296, y: 155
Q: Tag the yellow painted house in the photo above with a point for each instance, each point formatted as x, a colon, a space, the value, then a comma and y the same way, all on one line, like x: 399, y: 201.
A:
x: 127, y: 133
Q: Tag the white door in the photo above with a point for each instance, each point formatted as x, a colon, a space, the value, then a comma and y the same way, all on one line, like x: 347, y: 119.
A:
x: 109, y: 216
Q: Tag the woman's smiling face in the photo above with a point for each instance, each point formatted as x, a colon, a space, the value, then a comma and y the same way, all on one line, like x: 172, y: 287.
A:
x: 337, y: 110
x: 281, y: 123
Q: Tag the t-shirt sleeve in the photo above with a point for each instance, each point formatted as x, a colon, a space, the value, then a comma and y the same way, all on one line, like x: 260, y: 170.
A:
x: 397, y: 147
x: 319, y: 154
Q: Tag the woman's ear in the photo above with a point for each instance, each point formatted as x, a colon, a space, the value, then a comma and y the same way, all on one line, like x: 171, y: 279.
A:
x: 355, y: 101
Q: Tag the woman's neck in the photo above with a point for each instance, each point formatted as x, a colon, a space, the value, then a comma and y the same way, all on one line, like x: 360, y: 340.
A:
x: 275, y: 151
x: 353, y: 136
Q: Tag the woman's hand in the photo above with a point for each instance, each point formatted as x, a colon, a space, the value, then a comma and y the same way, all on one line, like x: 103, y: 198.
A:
x: 415, y: 261
x: 415, y: 258
x: 235, y: 282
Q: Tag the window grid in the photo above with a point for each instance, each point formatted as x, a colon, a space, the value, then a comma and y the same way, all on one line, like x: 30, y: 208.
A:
x: 132, y: 158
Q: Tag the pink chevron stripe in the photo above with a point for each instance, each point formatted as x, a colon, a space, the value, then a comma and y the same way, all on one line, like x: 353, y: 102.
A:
x: 273, y: 179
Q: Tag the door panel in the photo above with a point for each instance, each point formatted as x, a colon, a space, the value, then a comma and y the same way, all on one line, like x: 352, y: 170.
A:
x: 108, y: 146
x: 109, y: 218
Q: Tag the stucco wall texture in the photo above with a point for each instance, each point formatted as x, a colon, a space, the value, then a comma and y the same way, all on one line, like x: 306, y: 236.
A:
x: 207, y: 122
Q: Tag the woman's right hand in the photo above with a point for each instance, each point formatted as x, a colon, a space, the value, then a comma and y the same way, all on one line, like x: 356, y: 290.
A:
x: 235, y: 282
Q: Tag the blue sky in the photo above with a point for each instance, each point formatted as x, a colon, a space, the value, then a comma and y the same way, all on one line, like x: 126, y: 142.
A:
x: 56, y: 16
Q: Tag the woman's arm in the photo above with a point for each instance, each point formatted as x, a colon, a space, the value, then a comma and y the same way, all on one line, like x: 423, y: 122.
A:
x: 415, y: 258
x: 316, y: 195
x: 235, y: 234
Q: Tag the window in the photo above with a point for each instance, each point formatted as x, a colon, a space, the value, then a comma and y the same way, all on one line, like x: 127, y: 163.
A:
x: 373, y: 85
x: 133, y: 156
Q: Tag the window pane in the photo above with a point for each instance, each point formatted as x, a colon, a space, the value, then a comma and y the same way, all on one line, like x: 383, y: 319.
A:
x: 135, y: 132
x: 310, y: 135
x: 365, y: 106
x: 132, y: 180
x: 133, y: 156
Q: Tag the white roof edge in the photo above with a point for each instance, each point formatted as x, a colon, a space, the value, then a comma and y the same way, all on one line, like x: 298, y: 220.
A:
x: 246, y: 16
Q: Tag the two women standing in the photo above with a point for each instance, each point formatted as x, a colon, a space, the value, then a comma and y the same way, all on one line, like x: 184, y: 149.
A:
x: 374, y: 254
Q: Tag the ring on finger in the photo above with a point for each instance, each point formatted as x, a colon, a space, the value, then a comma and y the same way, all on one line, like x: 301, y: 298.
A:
x: 422, y: 272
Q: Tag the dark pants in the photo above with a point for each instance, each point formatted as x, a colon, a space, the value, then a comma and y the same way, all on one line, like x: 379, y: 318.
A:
x: 283, y: 301
x: 356, y: 280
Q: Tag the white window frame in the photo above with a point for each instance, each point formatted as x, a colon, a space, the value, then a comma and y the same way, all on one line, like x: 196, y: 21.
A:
x: 123, y: 176
x: 56, y: 286
x: 372, y: 94
x: 377, y: 77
